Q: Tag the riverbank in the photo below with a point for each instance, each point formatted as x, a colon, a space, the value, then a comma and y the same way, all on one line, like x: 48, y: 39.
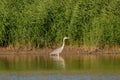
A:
x: 66, y: 50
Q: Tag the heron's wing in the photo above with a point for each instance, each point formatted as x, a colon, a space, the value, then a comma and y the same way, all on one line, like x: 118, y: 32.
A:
x: 56, y: 51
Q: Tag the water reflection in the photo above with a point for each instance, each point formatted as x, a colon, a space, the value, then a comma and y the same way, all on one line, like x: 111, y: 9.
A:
x: 24, y: 62
x: 69, y: 62
x: 70, y: 67
x: 58, y: 62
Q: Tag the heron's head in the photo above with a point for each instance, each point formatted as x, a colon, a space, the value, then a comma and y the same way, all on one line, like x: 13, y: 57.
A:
x: 66, y: 38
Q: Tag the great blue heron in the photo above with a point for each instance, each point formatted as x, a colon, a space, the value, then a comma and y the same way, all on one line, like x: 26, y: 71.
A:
x: 59, y: 50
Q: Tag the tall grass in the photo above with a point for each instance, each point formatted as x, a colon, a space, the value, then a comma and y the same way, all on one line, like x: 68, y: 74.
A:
x: 43, y: 23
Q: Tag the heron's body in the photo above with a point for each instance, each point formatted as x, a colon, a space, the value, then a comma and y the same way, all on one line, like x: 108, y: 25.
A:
x: 59, y: 50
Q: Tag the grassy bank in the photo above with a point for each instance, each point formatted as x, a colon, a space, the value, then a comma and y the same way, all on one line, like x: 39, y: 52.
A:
x: 43, y: 23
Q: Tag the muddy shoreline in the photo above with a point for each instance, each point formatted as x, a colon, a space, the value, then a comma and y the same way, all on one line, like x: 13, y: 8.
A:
x: 66, y: 51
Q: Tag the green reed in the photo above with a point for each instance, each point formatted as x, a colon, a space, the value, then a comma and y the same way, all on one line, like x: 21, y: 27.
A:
x: 43, y: 23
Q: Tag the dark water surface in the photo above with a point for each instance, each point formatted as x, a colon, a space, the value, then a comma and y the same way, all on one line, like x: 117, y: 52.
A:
x: 65, y: 67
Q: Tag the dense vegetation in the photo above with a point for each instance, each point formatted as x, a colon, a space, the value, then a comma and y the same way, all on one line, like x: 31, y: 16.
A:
x: 43, y: 23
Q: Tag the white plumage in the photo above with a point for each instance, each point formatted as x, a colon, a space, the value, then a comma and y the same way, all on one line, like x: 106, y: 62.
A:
x: 59, y: 50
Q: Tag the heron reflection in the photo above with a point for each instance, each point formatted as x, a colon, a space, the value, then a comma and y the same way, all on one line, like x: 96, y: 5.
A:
x: 58, y: 62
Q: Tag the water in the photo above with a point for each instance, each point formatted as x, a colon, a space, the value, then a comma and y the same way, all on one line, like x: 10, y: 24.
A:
x: 65, y: 67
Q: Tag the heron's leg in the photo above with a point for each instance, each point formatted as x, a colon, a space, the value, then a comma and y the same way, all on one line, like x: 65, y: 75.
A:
x: 58, y: 57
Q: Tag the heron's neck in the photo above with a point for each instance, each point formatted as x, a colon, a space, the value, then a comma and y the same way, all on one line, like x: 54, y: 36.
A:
x: 63, y: 43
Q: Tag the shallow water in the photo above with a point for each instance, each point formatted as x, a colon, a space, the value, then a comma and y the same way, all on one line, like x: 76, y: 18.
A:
x: 58, y: 76
x: 65, y: 67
